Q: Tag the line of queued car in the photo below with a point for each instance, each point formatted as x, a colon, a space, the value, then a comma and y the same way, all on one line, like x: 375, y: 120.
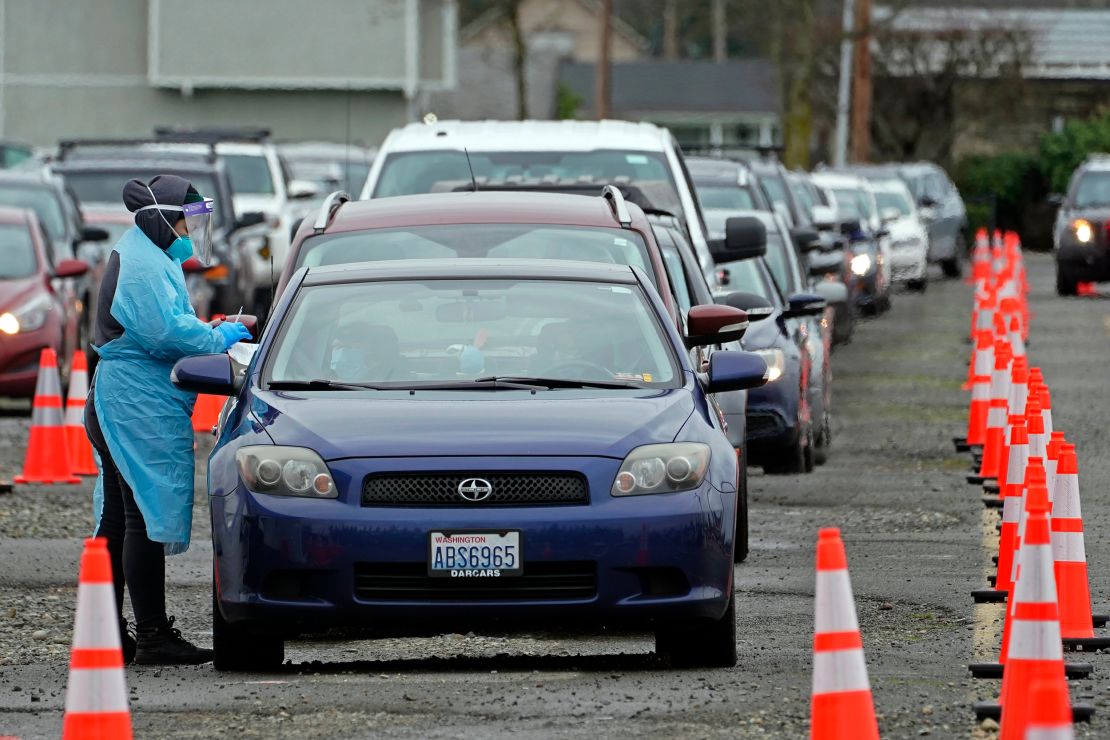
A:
x: 519, y: 382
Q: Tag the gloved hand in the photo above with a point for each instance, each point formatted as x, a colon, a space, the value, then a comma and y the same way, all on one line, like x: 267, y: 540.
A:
x: 232, y: 332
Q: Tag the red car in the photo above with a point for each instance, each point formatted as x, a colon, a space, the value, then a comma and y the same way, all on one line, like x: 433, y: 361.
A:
x: 38, y: 303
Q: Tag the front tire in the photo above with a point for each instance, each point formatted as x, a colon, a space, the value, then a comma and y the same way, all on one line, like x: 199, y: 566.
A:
x: 701, y: 643
x: 918, y: 286
x: 1067, y: 282
x: 241, y: 646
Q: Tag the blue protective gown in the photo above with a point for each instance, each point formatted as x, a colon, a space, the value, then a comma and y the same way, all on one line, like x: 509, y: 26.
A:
x: 145, y: 418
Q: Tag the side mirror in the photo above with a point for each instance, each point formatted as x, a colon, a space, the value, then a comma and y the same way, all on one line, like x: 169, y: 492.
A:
x: 193, y: 265
x: 884, y: 231
x: 850, y: 226
x: 834, y: 293
x: 805, y: 238
x: 804, y: 304
x: 94, y: 234
x: 824, y: 217
x: 1055, y: 199
x: 70, y: 268
x: 745, y: 237
x: 928, y: 201
x: 713, y: 324
x: 730, y: 370
x: 754, y: 305
x: 890, y: 215
x: 204, y: 374
x: 302, y: 189
x: 251, y: 218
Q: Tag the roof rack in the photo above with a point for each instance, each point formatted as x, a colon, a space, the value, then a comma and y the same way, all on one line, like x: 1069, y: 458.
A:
x: 212, y: 134
x: 67, y: 146
x: 616, y: 203
x: 328, y: 209
x: 617, y: 194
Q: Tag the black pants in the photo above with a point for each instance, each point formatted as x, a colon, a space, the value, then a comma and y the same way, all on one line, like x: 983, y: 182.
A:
x: 136, y: 559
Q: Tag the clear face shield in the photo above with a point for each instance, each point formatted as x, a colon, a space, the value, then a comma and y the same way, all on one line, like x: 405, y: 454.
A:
x: 198, y: 223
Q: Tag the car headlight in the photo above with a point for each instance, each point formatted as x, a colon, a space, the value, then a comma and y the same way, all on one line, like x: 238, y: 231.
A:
x: 285, y: 471
x: 30, y: 316
x: 776, y: 362
x: 1084, y: 232
x: 861, y: 264
x: 665, y: 468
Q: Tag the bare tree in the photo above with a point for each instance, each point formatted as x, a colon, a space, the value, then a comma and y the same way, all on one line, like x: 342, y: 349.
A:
x: 670, y: 30
x: 520, y: 55
x: 792, y: 48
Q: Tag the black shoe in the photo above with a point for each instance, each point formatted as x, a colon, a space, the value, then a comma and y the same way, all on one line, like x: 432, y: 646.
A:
x: 164, y: 645
x: 127, y: 641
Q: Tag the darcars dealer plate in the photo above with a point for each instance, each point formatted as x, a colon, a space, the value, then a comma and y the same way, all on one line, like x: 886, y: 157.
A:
x: 474, y: 554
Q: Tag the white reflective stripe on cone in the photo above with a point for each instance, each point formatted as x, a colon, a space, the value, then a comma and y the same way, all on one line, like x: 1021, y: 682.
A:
x: 1065, y: 504
x: 1062, y: 732
x: 1037, y: 448
x: 980, y: 391
x: 1018, y: 459
x: 1019, y: 393
x: 74, y: 416
x: 839, y: 670
x: 1037, y: 584
x: 1017, y: 343
x: 1046, y: 414
x: 1050, y: 479
x: 1035, y: 641
x: 835, y: 610
x: 996, y: 417
x: 95, y: 626
x: 1011, y: 508
x: 984, y: 361
x: 985, y: 319
x: 96, y: 690
x: 46, y: 416
x: 1067, y: 547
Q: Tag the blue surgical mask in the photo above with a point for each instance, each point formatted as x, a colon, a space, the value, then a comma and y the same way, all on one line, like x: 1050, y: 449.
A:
x: 181, y: 249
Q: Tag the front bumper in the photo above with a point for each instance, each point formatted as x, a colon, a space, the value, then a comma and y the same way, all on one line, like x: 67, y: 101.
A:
x: 1084, y: 261
x: 908, y: 264
x: 303, y: 565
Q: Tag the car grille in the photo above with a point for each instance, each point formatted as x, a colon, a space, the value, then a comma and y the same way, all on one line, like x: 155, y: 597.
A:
x: 540, y: 581
x: 509, y: 489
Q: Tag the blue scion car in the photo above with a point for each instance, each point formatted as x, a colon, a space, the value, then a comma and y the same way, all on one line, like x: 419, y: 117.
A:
x: 441, y: 445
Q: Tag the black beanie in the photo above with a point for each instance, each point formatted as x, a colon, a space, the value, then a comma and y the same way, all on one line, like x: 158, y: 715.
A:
x: 168, y: 190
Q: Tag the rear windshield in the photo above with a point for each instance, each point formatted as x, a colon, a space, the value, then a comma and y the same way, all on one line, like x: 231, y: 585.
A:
x: 734, y: 198
x: 495, y: 241
x: 107, y: 186
x: 412, y: 173
x: 17, y: 252
x: 43, y: 201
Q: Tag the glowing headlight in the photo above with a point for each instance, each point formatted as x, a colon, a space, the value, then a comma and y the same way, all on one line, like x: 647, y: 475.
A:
x: 1083, y: 231
x: 776, y: 362
x: 285, y: 471
x: 28, y: 317
x: 861, y: 264
x: 665, y: 468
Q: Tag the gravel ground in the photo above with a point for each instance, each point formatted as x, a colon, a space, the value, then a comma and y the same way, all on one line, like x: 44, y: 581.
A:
x: 917, y: 538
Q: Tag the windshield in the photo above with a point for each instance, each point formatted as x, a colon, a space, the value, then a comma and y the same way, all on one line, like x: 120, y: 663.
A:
x: 1093, y: 190
x: 775, y: 189
x: 726, y: 198
x: 43, y: 201
x: 406, y: 333
x: 106, y: 186
x: 249, y: 174
x: 329, y: 174
x: 776, y: 261
x: 412, y: 173
x: 851, y: 203
x: 746, y: 276
x: 17, y: 252
x: 498, y: 241
x: 892, y: 199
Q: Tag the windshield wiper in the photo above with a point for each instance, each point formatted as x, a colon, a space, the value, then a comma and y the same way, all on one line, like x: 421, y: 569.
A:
x: 322, y: 385
x: 557, y: 382
x: 433, y: 385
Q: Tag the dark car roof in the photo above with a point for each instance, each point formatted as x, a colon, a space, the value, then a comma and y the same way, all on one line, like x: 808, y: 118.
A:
x: 424, y: 269
x: 477, y: 208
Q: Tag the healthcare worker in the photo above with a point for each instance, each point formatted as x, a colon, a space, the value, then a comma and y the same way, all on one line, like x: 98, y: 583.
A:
x: 137, y: 420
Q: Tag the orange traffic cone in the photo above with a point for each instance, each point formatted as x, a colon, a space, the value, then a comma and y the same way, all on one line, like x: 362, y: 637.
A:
x: 47, y: 459
x: 995, y: 441
x: 206, y: 413
x: 80, y: 451
x: 1012, y: 500
x: 980, y: 390
x: 1072, y: 584
x: 1049, y: 712
x: 1036, y: 496
x: 96, y: 697
x: 842, y: 708
x: 1034, y: 425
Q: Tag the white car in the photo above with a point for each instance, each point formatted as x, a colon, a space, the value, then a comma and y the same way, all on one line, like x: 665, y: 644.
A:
x: 424, y: 157
x: 909, y: 237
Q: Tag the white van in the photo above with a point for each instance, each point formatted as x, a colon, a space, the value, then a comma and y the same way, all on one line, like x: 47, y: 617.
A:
x: 428, y: 157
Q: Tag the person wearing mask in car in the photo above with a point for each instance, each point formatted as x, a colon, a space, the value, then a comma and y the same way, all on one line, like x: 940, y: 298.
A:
x: 138, y: 422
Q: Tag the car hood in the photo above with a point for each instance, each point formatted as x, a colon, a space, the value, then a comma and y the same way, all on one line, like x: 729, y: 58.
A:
x: 340, y: 424
x: 13, y: 293
x: 906, y: 228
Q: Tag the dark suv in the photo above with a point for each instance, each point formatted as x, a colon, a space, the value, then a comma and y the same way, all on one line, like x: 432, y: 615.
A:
x: 1081, y: 235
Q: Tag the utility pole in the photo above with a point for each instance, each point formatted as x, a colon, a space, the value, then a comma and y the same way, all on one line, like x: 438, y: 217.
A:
x: 670, y: 30
x: 844, y: 87
x: 602, y: 71
x: 720, y: 32
x: 861, y: 85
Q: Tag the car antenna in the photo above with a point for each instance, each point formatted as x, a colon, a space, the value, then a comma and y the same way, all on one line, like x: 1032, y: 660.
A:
x: 473, y: 179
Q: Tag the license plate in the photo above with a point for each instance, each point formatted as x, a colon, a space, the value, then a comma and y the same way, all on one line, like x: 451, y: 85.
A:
x: 474, y: 554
